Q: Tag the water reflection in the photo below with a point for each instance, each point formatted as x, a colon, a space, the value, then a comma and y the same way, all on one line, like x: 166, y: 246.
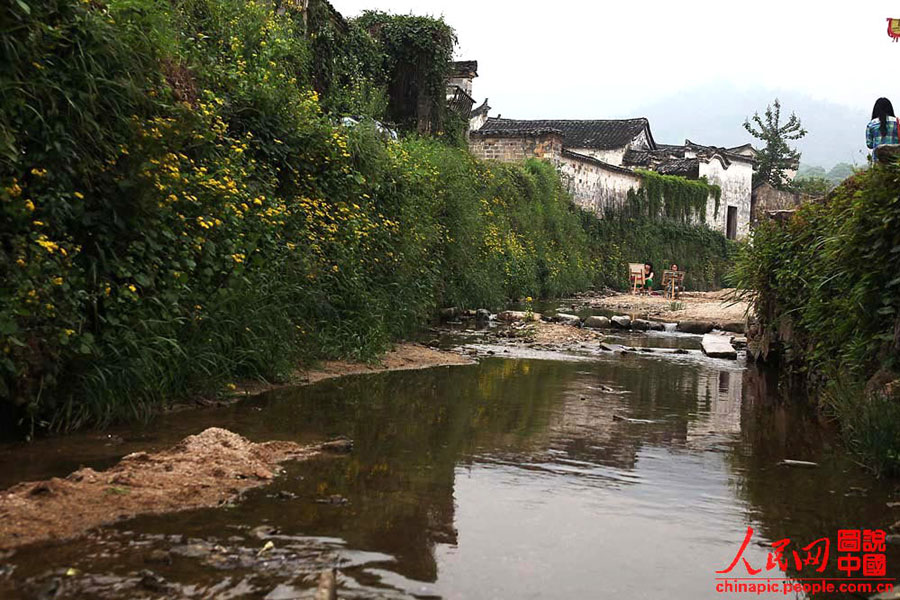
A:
x: 620, y: 477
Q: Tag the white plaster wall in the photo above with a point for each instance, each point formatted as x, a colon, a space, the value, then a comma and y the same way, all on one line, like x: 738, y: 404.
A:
x: 641, y: 142
x: 594, y: 187
x: 736, y: 182
x: 475, y: 123
x: 611, y: 157
x: 616, y: 155
x: 464, y: 82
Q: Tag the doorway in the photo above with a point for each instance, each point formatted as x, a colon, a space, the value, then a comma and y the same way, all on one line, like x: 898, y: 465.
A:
x: 731, y: 223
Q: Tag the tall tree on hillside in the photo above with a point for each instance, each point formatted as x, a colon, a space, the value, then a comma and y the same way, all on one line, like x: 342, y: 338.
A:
x: 777, y: 157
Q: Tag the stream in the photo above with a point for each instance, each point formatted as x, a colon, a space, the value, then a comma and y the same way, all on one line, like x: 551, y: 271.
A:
x: 609, y: 476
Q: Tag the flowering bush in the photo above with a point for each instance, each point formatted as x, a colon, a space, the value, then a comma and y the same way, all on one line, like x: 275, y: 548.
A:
x: 179, y: 210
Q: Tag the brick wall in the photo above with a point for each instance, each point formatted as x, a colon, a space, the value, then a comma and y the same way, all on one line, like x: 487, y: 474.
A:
x: 516, y: 148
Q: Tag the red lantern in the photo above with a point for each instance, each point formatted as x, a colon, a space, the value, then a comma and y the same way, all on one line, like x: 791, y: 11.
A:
x: 894, y: 28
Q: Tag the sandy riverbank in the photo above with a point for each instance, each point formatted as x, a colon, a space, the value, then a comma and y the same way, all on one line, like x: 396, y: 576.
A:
x: 716, y: 307
x: 208, y: 469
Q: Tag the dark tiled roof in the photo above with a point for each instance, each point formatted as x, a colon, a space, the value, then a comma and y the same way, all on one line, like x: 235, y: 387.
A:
x: 685, y: 167
x: 597, y: 162
x: 600, y: 135
x: 464, y: 68
x: 637, y: 158
x: 520, y: 132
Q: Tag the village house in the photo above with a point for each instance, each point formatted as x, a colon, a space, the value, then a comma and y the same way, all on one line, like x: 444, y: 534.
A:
x: 729, y: 168
x: 600, y: 159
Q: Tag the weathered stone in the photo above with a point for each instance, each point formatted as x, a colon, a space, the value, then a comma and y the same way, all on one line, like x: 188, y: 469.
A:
x: 511, y: 316
x: 697, y: 327
x: 327, y: 589
x: 640, y: 324
x: 341, y: 445
x: 567, y: 319
x: 718, y: 346
x: 448, y: 314
x: 482, y: 315
x: 621, y: 322
x: 739, y: 343
x: 597, y: 322
x: 733, y: 327
x: 657, y: 326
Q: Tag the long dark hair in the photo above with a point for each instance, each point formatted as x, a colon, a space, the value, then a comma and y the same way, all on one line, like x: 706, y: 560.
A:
x: 883, y: 109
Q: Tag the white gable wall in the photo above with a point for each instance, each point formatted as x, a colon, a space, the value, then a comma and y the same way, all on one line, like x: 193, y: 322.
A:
x: 611, y: 157
x: 736, y: 182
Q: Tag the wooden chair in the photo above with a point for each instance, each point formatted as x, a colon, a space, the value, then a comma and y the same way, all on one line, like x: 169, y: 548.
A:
x: 636, y: 275
x: 672, y: 283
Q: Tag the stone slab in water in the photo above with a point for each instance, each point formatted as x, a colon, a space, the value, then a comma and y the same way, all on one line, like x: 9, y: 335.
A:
x: 597, y: 322
x: 567, y: 319
x: 621, y: 321
x: 696, y: 327
x: 718, y: 346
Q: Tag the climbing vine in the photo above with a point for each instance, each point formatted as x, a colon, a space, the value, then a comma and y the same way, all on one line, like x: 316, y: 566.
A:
x: 416, y: 54
x: 673, y: 197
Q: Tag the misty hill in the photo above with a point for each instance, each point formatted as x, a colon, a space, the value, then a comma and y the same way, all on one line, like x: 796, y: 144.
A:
x: 714, y: 114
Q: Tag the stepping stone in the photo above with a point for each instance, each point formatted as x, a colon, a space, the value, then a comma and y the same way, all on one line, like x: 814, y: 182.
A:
x: 718, y: 346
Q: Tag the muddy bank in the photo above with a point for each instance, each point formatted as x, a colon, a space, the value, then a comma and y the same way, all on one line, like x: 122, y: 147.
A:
x: 402, y: 357
x: 715, y: 307
x: 208, y: 469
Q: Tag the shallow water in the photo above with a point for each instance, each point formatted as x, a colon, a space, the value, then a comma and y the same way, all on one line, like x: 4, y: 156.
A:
x: 619, y: 476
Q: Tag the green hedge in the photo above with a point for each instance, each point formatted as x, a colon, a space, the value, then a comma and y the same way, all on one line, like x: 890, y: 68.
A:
x: 826, y: 288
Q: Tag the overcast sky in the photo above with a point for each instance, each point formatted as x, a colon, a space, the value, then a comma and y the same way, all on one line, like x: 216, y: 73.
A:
x: 600, y: 59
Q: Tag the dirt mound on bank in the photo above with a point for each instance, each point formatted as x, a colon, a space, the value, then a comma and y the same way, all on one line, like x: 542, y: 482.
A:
x: 207, y: 469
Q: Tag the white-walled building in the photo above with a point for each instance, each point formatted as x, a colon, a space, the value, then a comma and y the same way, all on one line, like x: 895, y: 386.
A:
x: 600, y: 159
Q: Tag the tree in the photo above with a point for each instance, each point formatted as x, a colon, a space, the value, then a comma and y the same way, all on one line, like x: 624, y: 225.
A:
x: 812, y: 185
x: 777, y: 157
x: 840, y: 172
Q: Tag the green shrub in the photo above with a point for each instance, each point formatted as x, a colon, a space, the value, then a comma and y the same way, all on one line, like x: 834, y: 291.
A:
x: 180, y: 208
x: 825, y: 288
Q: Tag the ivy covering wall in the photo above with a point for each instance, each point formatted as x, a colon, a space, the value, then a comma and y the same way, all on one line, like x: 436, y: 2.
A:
x: 673, y: 197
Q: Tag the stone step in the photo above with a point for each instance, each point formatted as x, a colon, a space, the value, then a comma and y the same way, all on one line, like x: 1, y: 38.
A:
x: 718, y: 346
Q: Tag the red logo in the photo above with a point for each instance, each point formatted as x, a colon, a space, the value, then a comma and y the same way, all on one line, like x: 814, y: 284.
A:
x: 860, y: 558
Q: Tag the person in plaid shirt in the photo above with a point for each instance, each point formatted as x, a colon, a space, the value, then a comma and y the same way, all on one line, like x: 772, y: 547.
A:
x: 883, y: 128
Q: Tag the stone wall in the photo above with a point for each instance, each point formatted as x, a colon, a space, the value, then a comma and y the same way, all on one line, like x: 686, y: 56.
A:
x: 766, y: 198
x: 547, y: 146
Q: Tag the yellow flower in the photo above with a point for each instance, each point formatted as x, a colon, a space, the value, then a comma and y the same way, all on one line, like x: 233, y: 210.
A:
x: 57, y: 280
x: 14, y: 190
x: 79, y: 195
x: 29, y: 205
x: 38, y: 172
x: 238, y: 258
x: 46, y: 244
x: 528, y: 299
x: 69, y: 332
x: 132, y: 288
x: 231, y: 387
x: 38, y: 223
x: 20, y: 262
